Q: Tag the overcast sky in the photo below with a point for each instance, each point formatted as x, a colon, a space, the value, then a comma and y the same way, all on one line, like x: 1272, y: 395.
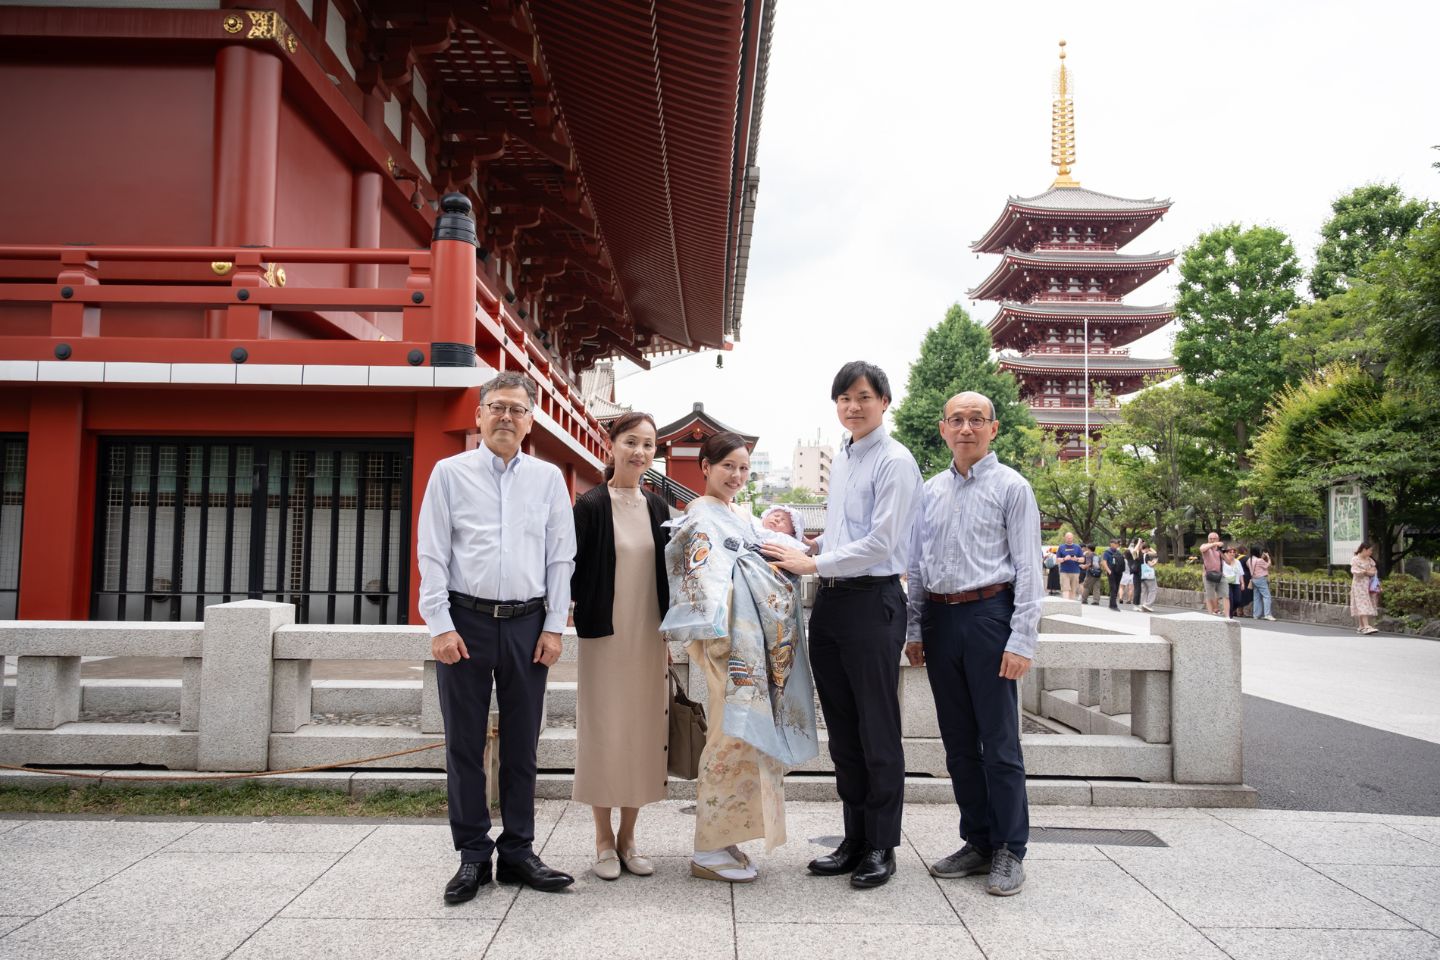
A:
x: 894, y: 132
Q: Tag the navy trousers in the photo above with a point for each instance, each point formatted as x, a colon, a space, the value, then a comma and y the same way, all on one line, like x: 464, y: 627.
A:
x: 856, y: 636
x: 979, y: 714
x: 502, y: 652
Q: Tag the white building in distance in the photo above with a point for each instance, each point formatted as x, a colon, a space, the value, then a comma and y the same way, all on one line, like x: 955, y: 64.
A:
x: 810, y: 467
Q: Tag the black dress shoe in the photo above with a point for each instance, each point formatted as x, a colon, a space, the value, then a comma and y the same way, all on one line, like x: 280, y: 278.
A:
x: 467, y: 881
x: 845, y: 859
x: 533, y: 873
x: 875, y: 868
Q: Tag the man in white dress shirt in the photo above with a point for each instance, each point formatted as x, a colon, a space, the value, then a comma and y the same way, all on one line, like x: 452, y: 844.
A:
x: 496, y: 546
x: 975, y: 596
x: 857, y: 627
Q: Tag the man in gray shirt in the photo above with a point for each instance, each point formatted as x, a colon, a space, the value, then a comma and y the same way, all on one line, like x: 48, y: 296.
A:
x: 975, y: 596
x: 857, y: 627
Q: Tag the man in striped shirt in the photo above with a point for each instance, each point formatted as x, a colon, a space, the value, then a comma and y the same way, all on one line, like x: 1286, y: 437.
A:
x: 974, y: 615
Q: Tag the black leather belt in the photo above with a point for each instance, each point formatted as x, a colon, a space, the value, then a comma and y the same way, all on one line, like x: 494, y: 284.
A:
x: 496, y: 609
x: 858, y: 583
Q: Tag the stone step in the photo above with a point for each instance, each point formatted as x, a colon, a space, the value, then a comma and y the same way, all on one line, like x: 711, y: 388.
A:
x: 814, y: 787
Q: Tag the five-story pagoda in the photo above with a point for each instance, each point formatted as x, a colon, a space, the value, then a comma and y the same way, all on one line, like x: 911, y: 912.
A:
x: 1062, y: 325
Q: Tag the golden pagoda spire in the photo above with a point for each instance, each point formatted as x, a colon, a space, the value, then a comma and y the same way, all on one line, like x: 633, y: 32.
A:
x: 1062, y: 126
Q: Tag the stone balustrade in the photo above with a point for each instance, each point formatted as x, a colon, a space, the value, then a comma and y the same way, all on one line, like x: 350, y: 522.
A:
x: 1158, y: 709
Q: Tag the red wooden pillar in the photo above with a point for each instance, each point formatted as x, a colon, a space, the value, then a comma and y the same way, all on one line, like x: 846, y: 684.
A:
x: 570, y: 480
x: 71, y: 316
x: 440, y: 429
x: 366, y: 199
x: 247, y: 139
x: 59, y: 509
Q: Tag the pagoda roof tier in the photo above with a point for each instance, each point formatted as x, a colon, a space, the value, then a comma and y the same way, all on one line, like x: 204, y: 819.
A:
x: 1013, y: 278
x: 1010, y: 325
x: 694, y: 427
x: 1100, y: 364
x: 1022, y: 216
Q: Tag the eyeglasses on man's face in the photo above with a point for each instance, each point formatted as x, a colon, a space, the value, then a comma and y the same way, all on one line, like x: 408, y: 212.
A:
x: 500, y: 409
x: 974, y: 423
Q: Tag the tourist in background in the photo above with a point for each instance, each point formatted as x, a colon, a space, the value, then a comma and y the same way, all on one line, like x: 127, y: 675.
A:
x: 1364, y: 585
x: 1247, y: 588
x: 1260, y: 580
x: 1110, y: 564
x: 743, y: 625
x: 1090, y: 576
x: 1127, y: 578
x: 1213, y: 579
x: 1069, y: 556
x: 1234, y: 579
x: 621, y: 591
x: 1052, y: 572
x: 1134, y: 558
x: 1149, y: 585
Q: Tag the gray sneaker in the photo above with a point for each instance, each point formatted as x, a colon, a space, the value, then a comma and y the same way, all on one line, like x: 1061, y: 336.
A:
x: 962, y: 863
x: 1007, y: 874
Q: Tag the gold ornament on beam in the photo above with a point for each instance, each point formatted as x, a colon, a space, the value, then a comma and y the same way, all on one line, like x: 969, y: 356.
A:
x: 1062, y: 125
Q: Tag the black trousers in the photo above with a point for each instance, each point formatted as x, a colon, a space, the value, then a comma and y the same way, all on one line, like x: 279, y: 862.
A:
x: 1115, y: 576
x: 979, y: 714
x: 501, y: 651
x: 856, y: 636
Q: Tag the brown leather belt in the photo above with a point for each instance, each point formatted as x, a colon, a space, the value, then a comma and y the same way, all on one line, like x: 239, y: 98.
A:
x: 968, y: 596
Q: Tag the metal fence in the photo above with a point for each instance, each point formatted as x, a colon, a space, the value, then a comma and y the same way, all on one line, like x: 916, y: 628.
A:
x: 182, y: 524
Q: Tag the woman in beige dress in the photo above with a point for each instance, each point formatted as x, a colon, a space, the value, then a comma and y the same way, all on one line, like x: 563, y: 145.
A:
x: 1362, y: 601
x: 621, y: 590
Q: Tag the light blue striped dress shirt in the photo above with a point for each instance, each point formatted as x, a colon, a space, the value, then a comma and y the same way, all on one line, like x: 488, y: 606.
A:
x: 874, y: 490
x: 968, y: 534
x: 496, y: 531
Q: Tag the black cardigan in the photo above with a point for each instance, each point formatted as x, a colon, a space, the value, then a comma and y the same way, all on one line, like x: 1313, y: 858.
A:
x: 592, y: 586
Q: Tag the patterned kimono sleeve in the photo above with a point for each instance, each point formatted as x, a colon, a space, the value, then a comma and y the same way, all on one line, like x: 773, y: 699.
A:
x: 700, y: 582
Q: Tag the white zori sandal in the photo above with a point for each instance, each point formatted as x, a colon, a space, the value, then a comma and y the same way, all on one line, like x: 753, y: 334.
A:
x: 728, y: 865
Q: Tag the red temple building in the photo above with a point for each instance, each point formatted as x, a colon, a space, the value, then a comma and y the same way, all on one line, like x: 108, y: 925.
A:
x: 256, y: 260
x: 1062, y: 326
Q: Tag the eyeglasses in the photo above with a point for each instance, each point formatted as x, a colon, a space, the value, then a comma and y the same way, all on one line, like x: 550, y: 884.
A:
x: 500, y: 409
x: 975, y: 423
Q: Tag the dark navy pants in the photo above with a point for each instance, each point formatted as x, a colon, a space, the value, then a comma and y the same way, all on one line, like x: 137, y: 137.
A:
x: 979, y: 714
x: 501, y: 651
x: 856, y: 636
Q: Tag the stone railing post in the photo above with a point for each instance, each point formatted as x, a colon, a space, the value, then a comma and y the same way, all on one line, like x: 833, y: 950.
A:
x: 236, y: 674
x: 1207, y: 731
x: 47, y: 692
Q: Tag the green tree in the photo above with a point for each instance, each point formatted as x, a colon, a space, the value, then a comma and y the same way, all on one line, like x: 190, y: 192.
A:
x: 1083, y: 500
x: 796, y: 495
x: 1235, y: 285
x: 1363, y: 223
x: 1344, y: 425
x: 955, y: 357
x: 1339, y: 328
x: 1170, y: 471
x: 1406, y: 283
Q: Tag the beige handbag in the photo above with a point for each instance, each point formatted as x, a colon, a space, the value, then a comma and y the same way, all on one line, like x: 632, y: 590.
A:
x: 687, y: 732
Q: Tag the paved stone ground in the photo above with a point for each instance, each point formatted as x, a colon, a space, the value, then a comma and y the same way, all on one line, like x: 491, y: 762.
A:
x: 1230, y: 883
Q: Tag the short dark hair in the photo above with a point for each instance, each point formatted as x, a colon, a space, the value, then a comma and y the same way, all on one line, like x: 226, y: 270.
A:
x: 1114, y: 539
x: 853, y: 371
x: 721, y: 445
x: 621, y: 424
x: 509, y: 380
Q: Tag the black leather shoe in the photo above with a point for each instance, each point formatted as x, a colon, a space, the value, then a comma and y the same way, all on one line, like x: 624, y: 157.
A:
x: 467, y: 881
x: 844, y: 859
x: 876, y: 867
x: 534, y: 874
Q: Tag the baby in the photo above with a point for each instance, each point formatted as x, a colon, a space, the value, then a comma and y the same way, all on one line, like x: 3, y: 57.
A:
x: 783, y: 525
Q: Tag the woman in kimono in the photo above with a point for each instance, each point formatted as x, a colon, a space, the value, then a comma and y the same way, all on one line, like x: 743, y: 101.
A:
x: 743, y: 624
